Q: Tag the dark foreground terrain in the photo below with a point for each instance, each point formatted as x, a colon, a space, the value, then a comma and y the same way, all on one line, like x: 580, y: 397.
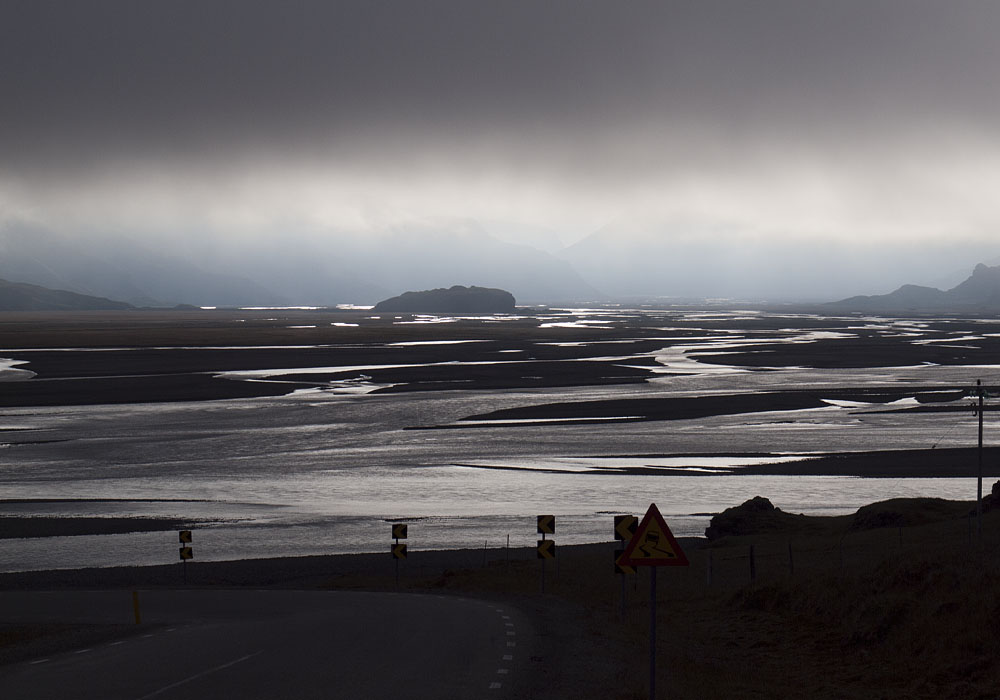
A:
x: 899, y: 601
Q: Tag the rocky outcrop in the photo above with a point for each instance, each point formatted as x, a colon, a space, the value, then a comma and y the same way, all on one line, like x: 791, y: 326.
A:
x: 455, y: 300
x: 754, y: 517
x: 903, y: 512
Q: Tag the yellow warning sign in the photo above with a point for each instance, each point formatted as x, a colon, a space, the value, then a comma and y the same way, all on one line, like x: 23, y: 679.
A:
x: 620, y: 566
x: 625, y: 527
x: 398, y: 551
x: 186, y: 553
x: 546, y: 549
x: 653, y: 544
x: 184, y: 536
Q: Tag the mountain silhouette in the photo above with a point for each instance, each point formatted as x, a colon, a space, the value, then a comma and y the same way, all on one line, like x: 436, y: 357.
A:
x: 979, y: 293
x: 18, y: 296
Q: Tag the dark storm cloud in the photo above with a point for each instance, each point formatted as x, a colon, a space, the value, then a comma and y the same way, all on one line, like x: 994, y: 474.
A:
x: 99, y: 78
x: 745, y: 130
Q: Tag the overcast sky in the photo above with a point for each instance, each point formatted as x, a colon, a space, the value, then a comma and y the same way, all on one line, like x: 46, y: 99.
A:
x: 849, y: 121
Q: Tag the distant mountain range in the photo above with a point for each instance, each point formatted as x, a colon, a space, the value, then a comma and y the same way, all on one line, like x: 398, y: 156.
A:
x: 626, y: 263
x: 275, y: 271
x: 17, y: 296
x: 978, y: 293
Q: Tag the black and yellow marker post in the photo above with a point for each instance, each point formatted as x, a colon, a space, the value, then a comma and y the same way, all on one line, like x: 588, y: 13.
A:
x: 398, y: 550
x: 546, y: 548
x: 186, y: 550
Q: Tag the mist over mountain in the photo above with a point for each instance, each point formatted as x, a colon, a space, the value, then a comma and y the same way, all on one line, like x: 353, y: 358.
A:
x: 978, y: 293
x: 118, y: 268
x: 692, y: 261
x: 275, y: 270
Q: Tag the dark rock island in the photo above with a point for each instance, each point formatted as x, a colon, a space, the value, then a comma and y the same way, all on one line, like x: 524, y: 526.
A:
x: 457, y: 299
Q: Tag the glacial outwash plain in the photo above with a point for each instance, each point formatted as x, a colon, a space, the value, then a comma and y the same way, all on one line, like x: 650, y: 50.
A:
x: 289, y: 440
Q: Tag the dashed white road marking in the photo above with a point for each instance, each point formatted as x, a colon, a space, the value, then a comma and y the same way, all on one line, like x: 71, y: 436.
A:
x: 495, y: 686
x: 508, y: 624
x: 511, y: 633
x: 81, y: 651
x: 508, y: 657
x: 114, y: 644
x: 40, y: 661
x: 503, y: 671
x: 511, y: 643
x: 199, y: 675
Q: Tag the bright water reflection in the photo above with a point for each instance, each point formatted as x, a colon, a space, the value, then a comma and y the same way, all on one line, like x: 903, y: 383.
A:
x: 321, y: 472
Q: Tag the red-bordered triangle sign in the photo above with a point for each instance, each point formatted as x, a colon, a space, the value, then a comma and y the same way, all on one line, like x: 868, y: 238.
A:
x: 653, y: 544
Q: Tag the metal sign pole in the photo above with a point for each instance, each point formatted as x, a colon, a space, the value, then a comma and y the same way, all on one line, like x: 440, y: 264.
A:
x: 652, y: 633
x: 543, y: 568
x: 979, y: 479
x: 622, y: 577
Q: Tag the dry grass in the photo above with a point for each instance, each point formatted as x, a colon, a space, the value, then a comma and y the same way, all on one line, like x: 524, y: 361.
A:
x: 910, y: 612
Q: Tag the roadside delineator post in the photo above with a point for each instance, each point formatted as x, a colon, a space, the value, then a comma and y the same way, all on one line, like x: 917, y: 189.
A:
x: 546, y: 549
x: 399, y: 532
x: 624, y: 530
x: 186, y: 550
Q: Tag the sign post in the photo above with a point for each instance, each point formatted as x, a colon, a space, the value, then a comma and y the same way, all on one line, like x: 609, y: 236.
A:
x: 653, y: 545
x: 546, y: 548
x: 398, y: 550
x: 624, y: 529
x: 186, y: 550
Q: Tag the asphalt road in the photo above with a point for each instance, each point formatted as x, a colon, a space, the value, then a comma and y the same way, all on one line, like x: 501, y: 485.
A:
x: 251, y: 644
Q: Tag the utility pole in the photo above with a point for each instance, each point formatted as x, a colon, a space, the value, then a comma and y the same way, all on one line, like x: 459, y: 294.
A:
x: 979, y: 470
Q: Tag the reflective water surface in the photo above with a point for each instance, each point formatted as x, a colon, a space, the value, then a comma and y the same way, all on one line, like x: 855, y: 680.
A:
x: 323, y: 471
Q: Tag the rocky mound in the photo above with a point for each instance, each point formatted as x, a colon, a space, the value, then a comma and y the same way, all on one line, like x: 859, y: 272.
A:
x: 455, y: 300
x: 903, y: 512
x: 754, y: 517
x: 758, y: 516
